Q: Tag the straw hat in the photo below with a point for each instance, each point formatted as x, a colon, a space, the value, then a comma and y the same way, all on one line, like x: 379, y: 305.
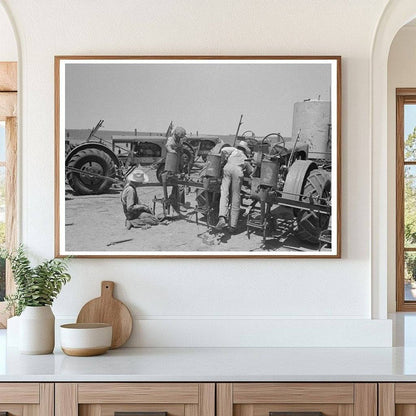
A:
x: 138, y: 176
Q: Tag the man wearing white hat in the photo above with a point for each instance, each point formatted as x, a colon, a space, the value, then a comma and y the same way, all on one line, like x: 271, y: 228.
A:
x: 137, y: 215
x: 236, y: 166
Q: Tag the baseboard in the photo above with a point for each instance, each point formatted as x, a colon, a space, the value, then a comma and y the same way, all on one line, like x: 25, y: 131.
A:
x: 165, y: 332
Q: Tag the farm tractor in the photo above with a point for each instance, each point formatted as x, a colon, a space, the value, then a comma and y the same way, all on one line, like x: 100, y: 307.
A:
x: 287, y: 181
x: 93, y: 166
x: 285, y: 184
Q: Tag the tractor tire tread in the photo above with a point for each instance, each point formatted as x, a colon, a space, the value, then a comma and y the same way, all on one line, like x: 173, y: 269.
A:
x: 74, y: 179
x: 309, y: 225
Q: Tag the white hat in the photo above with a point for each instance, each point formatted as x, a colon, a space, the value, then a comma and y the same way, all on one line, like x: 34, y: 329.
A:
x: 244, y: 146
x: 138, y: 176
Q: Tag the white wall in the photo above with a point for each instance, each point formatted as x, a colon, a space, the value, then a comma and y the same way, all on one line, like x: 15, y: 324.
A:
x: 8, y: 47
x: 401, y: 74
x: 179, y: 302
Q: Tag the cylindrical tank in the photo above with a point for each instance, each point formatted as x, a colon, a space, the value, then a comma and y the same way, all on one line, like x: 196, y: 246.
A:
x: 269, y: 172
x: 313, y: 118
x: 171, y: 162
x: 213, y: 166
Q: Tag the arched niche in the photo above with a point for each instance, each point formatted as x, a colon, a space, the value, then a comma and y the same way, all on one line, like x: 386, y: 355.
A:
x: 396, y: 14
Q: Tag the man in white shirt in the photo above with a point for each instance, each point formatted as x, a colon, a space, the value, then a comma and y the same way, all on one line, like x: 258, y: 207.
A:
x: 234, y: 170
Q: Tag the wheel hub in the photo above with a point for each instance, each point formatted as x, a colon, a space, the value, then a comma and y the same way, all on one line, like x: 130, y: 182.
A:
x: 95, y: 169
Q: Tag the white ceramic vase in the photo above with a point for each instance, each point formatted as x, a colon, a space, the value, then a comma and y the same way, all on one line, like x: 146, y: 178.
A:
x: 37, y: 330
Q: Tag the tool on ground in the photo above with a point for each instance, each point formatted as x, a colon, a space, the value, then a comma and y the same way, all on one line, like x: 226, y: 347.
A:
x: 113, y: 243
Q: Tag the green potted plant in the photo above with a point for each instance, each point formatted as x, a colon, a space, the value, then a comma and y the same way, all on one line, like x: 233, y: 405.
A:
x: 36, y: 289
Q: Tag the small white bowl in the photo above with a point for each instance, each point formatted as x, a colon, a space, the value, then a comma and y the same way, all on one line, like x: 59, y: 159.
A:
x: 84, y: 340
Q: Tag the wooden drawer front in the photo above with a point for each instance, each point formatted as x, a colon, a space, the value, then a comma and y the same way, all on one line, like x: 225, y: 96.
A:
x: 293, y: 393
x: 110, y: 409
x: 405, y: 393
x: 27, y: 399
x: 265, y: 409
x: 397, y: 399
x: 331, y: 399
x: 104, y: 399
x: 138, y: 393
x: 19, y: 393
x: 12, y: 409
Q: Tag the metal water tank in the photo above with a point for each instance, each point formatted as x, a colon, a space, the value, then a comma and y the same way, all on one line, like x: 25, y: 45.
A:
x: 313, y: 118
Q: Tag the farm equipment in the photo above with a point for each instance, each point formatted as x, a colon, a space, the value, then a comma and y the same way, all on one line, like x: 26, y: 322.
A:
x: 94, y: 165
x: 286, y: 182
x: 206, y: 187
x: 284, y: 177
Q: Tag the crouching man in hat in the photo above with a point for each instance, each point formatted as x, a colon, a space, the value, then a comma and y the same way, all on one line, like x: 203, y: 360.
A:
x: 236, y: 166
x: 137, y: 215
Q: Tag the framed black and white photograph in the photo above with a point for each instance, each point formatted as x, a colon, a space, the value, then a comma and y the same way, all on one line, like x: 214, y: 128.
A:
x: 198, y: 156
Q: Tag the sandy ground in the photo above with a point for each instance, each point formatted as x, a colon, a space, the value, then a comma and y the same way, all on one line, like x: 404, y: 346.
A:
x: 96, y: 223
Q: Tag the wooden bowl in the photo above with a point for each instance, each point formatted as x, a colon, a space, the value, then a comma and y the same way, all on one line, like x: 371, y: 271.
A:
x: 84, y: 340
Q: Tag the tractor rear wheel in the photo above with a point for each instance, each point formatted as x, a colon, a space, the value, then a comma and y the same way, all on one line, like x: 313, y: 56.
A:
x: 89, y: 171
x: 317, y: 189
x: 188, y: 157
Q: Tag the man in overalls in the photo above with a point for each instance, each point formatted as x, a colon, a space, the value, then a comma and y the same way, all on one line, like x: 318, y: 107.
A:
x: 174, y: 144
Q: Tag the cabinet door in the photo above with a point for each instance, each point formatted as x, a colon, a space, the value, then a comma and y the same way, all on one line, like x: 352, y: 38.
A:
x: 297, y: 399
x: 26, y: 399
x: 397, y: 399
x: 143, y: 399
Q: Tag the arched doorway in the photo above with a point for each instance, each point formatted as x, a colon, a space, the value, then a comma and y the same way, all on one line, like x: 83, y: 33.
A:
x: 396, y: 14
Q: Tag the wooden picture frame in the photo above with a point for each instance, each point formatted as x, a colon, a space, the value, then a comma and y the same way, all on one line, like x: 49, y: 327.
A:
x: 403, y: 96
x: 295, y: 102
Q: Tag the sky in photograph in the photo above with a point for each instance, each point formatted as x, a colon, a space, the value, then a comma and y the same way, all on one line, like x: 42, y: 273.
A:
x: 208, y: 97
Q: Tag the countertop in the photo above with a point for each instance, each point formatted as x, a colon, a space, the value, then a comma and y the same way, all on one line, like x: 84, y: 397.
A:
x: 213, y: 365
x: 222, y: 364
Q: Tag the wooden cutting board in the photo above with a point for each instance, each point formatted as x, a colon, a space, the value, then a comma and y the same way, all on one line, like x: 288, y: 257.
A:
x: 107, y: 309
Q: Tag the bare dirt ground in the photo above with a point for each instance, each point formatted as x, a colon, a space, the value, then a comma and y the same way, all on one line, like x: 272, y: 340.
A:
x: 96, y: 223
